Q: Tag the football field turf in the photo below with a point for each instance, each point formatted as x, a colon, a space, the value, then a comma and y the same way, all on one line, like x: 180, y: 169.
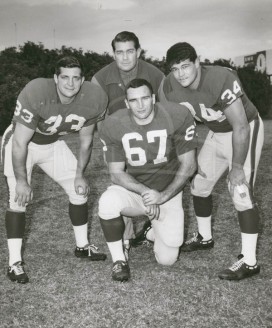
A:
x: 65, y: 291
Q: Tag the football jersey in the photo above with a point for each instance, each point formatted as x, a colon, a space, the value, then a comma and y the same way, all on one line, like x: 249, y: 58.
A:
x: 109, y: 78
x: 218, y: 88
x: 149, y: 151
x: 39, y: 108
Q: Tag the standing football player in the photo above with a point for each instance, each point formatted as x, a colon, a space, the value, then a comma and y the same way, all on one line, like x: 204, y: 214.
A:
x: 150, y: 151
x: 216, y: 97
x: 113, y: 79
x: 47, y: 109
x: 126, y: 66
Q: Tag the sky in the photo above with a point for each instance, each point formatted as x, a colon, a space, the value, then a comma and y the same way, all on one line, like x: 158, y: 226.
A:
x: 216, y: 28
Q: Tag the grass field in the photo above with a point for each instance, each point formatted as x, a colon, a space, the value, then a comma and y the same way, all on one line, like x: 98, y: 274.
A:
x: 65, y: 291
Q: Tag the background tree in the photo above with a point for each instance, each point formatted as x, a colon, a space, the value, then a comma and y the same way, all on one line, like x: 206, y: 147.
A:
x: 19, y: 66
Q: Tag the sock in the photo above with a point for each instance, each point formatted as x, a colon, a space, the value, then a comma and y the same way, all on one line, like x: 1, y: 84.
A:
x: 81, y: 235
x: 249, y: 243
x: 113, y: 230
x: 116, y: 250
x: 205, y: 227
x: 14, y: 247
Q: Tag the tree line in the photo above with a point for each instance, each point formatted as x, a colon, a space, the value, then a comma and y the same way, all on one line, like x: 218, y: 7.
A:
x: 19, y: 66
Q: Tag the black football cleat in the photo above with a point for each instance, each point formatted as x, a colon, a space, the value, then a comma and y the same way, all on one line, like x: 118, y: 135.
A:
x: 239, y: 270
x: 16, y: 272
x: 141, y: 236
x: 90, y: 252
x: 196, y: 243
x: 120, y: 271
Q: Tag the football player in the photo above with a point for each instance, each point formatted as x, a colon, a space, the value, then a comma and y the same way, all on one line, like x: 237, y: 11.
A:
x: 114, y: 77
x: 150, y: 151
x: 46, y: 110
x: 215, y: 96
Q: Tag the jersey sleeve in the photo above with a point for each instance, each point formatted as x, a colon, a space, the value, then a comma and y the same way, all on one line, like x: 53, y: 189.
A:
x: 227, y: 87
x: 26, y: 111
x: 184, y: 137
x: 112, y: 147
x: 96, y: 99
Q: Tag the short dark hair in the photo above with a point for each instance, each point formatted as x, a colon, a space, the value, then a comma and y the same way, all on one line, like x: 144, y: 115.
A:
x: 137, y: 83
x: 126, y: 36
x: 180, y: 52
x: 68, y: 62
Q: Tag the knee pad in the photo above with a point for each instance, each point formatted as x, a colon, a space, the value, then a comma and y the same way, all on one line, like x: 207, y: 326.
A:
x: 77, y: 199
x: 14, y: 207
x: 201, y: 187
x: 245, y: 203
x: 110, y: 204
x: 168, y: 258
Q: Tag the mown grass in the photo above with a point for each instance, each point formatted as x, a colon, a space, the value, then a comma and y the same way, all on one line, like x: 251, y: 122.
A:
x: 67, y: 292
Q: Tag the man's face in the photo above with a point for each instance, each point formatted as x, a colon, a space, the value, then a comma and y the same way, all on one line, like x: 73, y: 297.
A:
x: 68, y: 83
x: 186, y: 72
x: 126, y: 56
x: 141, y: 103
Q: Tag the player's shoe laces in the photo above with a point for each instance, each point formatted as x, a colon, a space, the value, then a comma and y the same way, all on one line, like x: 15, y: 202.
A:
x: 90, y: 252
x: 239, y: 270
x: 126, y: 248
x: 120, y: 271
x: 140, y: 237
x: 16, y: 272
x: 197, y: 243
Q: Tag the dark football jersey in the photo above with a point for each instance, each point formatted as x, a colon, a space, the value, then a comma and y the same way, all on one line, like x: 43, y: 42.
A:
x: 39, y: 108
x: 149, y: 151
x: 219, y: 87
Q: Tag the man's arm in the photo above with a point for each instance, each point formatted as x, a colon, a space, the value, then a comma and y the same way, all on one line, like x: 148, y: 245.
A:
x: 187, y: 168
x: 84, y: 154
x: 21, y: 137
x: 120, y: 177
x: 236, y: 116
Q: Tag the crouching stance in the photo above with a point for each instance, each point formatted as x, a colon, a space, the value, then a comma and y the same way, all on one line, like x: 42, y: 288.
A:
x: 150, y: 151
x: 47, y: 109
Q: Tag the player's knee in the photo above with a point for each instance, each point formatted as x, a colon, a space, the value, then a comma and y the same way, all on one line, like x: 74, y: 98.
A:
x: 110, y: 204
x: 200, y: 190
x: 243, y: 203
x: 77, y: 199
x: 167, y: 258
x: 14, y: 206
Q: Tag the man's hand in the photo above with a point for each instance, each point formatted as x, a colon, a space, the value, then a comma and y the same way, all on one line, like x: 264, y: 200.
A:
x: 152, y: 197
x: 81, y: 186
x: 23, y: 193
x: 153, y: 212
x: 236, y: 178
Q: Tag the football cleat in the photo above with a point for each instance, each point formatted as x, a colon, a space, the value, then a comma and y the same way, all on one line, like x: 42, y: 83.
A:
x: 141, y: 236
x: 196, y: 243
x: 126, y: 248
x: 239, y: 270
x: 16, y: 272
x: 90, y: 252
x: 120, y: 271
